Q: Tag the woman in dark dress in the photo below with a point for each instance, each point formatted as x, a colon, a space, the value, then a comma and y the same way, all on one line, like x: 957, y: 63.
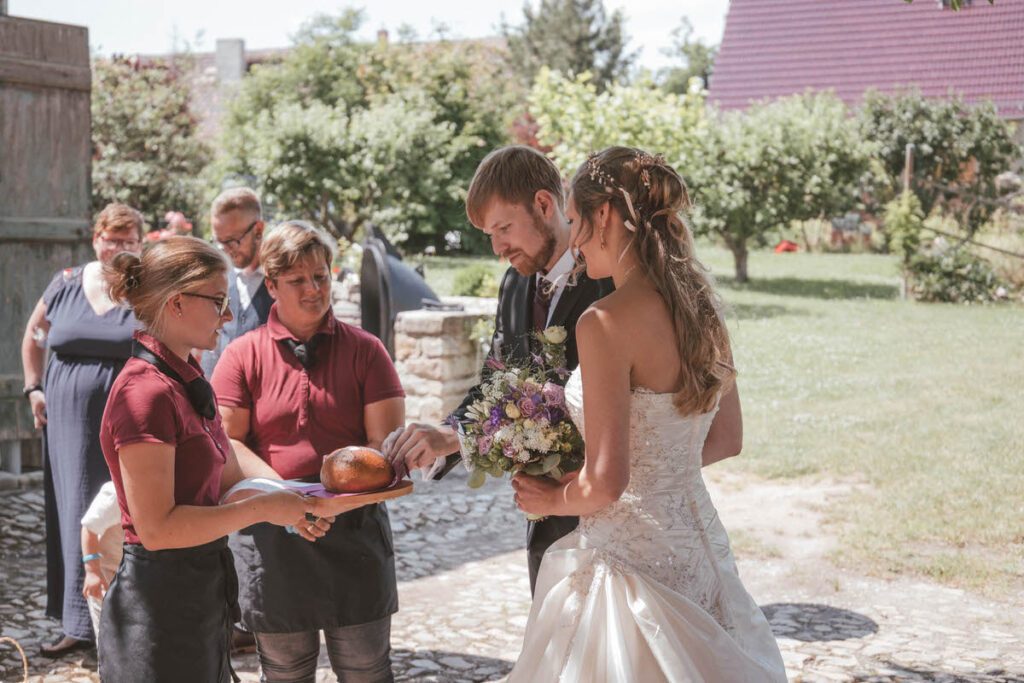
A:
x: 89, y: 339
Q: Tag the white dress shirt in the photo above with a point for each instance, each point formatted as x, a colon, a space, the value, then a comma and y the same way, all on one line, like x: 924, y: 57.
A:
x: 248, y: 284
x: 557, y: 277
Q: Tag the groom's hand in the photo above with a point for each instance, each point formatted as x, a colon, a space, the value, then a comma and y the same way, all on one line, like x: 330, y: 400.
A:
x: 419, y: 445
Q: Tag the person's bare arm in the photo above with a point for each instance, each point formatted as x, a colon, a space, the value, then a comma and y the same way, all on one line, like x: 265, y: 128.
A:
x: 725, y: 438
x: 32, y: 360
x: 381, y: 419
x: 147, y: 470
x: 606, y: 393
x: 95, y: 584
x: 236, y: 425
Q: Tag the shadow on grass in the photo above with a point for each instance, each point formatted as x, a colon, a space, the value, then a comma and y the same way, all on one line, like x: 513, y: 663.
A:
x: 814, y: 288
x: 758, y: 311
x: 812, y: 623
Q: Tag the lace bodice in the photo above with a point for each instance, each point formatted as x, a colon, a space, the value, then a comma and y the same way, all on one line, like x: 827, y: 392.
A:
x: 664, y: 524
x: 665, y: 447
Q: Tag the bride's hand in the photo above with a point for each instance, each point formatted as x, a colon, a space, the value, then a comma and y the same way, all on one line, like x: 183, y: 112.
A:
x: 537, y: 495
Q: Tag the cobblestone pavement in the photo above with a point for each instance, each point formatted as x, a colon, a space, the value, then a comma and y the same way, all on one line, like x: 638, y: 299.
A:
x: 464, y: 600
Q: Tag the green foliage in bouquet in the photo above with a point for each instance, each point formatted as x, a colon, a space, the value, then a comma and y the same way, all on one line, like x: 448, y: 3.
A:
x: 520, y: 422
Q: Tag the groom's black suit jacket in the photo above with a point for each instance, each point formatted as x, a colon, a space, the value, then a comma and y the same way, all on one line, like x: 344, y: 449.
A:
x: 512, y: 338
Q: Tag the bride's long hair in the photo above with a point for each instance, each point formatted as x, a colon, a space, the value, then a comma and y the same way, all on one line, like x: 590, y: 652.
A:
x: 653, y: 202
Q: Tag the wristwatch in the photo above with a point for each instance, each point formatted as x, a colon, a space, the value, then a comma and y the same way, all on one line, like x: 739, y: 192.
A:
x: 29, y: 390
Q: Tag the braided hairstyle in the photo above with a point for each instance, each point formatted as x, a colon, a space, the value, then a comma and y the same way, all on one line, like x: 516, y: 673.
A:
x: 652, y: 200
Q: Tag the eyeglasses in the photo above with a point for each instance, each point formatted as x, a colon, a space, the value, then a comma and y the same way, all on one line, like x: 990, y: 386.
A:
x: 221, y: 302
x: 237, y: 242
x: 127, y: 245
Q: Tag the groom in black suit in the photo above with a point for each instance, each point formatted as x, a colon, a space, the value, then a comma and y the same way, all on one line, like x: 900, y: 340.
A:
x: 516, y: 199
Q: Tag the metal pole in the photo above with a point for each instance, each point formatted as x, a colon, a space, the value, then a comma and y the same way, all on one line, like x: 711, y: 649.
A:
x: 908, y: 165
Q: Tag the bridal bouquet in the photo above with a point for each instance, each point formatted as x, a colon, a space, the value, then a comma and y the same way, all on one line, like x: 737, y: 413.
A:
x: 520, y: 423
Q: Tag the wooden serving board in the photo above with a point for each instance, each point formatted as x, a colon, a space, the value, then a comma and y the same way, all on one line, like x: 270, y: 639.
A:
x: 337, y: 503
x: 331, y: 503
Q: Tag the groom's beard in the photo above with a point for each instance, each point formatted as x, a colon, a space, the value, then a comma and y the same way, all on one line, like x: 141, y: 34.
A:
x: 536, y: 263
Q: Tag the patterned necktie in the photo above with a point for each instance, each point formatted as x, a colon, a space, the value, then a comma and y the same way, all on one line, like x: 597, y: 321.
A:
x: 541, y: 304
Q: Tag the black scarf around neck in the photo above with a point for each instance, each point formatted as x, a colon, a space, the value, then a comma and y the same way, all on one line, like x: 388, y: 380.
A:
x: 199, y: 391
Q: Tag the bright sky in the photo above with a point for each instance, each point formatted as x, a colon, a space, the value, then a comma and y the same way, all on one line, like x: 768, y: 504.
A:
x: 150, y: 26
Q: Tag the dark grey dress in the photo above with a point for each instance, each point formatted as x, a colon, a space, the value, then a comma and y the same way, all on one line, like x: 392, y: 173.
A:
x: 86, y: 353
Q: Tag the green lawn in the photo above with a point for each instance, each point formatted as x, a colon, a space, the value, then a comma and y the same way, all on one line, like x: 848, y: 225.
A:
x: 919, y: 406
x: 440, y: 270
x: 919, y: 403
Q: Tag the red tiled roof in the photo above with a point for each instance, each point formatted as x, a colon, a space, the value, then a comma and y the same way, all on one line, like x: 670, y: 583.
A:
x: 773, y: 48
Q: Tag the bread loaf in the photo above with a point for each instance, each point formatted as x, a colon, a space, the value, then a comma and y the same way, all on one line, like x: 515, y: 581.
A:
x: 356, y: 469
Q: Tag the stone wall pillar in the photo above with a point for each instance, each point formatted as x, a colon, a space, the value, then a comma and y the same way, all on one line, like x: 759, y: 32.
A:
x: 437, y: 359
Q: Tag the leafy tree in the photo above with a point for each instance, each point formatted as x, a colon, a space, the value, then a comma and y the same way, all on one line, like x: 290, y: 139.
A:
x: 344, y: 132
x: 574, y: 119
x: 958, y: 152
x: 748, y: 172
x: 698, y: 60
x: 904, y: 220
x: 146, y: 152
x: 571, y: 36
x: 390, y: 164
x: 793, y: 159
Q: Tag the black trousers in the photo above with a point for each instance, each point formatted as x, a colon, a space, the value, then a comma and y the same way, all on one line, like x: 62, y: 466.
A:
x: 540, y: 536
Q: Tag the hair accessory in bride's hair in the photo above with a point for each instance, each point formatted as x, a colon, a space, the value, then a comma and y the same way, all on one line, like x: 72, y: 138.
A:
x: 645, y: 162
x: 599, y: 175
x: 630, y: 224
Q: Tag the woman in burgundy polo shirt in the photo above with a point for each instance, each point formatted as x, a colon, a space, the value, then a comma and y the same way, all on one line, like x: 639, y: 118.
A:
x: 290, y: 392
x: 168, y: 612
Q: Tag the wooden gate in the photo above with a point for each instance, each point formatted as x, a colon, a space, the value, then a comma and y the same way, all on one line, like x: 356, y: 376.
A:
x: 45, y: 165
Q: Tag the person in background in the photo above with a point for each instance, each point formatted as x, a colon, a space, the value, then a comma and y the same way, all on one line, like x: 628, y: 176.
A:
x: 291, y: 392
x: 236, y: 217
x: 102, y: 538
x: 177, y: 224
x: 237, y: 220
x: 168, y: 613
x: 89, y: 339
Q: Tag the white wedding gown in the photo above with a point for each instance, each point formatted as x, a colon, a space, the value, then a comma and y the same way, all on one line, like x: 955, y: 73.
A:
x: 646, y: 589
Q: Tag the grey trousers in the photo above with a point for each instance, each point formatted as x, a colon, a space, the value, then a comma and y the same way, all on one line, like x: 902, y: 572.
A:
x: 358, y: 654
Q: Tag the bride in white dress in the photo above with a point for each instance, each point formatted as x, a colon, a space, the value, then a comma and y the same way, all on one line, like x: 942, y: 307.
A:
x: 646, y: 588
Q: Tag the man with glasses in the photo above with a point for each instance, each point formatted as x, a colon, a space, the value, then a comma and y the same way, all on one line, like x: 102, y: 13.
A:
x: 237, y: 220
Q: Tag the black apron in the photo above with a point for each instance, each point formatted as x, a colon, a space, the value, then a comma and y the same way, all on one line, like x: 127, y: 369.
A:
x: 289, y: 585
x: 168, y: 614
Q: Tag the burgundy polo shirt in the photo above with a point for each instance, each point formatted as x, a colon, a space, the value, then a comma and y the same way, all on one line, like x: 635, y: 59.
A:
x: 298, y: 415
x: 147, y: 406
